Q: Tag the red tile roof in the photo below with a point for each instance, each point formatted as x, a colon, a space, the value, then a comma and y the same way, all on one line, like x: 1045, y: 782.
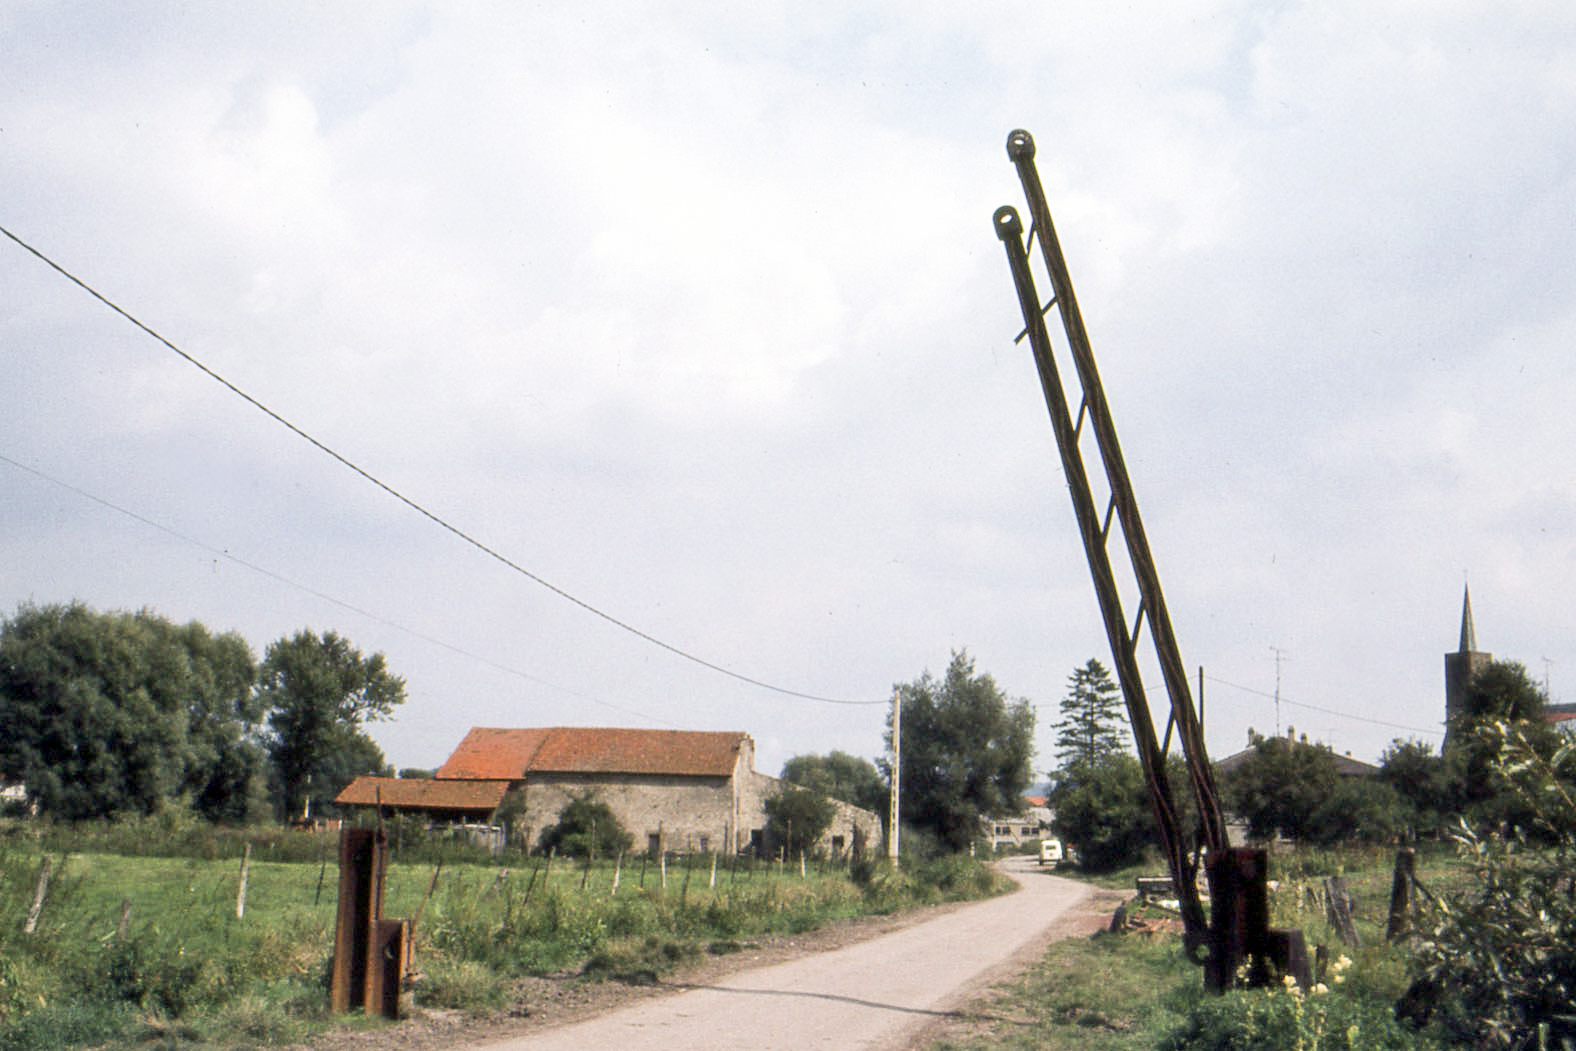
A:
x: 488, y: 753
x: 512, y: 754
x: 413, y: 793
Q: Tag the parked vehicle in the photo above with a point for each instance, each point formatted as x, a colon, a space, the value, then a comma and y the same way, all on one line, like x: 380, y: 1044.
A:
x: 1051, y: 852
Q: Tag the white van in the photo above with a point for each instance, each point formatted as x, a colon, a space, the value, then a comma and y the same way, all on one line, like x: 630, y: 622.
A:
x: 1051, y: 852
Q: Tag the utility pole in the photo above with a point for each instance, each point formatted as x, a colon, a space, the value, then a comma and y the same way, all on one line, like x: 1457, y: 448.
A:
x: 897, y: 773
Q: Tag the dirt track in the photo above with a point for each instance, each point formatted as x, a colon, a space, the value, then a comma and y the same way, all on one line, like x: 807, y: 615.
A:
x: 880, y: 993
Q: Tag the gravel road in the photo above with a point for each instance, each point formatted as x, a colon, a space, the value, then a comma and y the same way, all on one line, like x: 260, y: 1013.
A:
x: 877, y: 994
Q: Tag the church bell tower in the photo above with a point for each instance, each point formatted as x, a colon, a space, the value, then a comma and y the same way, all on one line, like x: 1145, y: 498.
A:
x: 1461, y: 666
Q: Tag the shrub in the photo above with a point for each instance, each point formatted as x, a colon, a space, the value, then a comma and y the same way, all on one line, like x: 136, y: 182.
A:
x: 639, y: 963
x: 586, y: 824
x: 1496, y: 967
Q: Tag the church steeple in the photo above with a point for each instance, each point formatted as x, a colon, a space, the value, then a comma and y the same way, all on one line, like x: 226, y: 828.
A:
x: 1461, y: 666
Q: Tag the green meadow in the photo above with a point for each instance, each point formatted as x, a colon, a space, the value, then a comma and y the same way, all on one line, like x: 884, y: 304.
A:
x: 138, y: 939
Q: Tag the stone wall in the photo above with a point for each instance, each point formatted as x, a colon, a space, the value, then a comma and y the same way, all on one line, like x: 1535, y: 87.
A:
x: 850, y: 826
x: 679, y: 813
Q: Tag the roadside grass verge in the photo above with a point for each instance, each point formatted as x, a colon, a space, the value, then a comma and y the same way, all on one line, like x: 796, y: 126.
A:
x: 147, y: 948
x: 1134, y: 991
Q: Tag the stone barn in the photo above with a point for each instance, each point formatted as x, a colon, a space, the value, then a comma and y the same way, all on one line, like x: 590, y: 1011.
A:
x: 673, y: 790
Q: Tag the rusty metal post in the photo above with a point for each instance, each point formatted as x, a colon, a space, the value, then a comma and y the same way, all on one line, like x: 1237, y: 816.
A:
x: 388, y: 948
x: 363, y: 855
x: 1243, y: 948
x: 1239, y: 923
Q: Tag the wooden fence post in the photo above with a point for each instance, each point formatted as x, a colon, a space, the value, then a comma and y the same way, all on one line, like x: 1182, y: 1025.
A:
x: 432, y: 885
x: 1401, y: 894
x: 1339, y: 909
x: 240, y: 894
x: 37, y: 908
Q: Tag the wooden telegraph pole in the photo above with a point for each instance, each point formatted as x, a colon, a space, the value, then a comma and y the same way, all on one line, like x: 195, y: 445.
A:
x: 897, y: 773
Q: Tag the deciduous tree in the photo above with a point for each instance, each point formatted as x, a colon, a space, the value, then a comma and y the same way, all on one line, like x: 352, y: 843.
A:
x: 109, y: 713
x: 1102, y: 808
x: 1280, y: 785
x: 318, y: 692
x: 966, y: 752
x: 841, y: 776
x: 1500, y: 695
x: 1418, y: 776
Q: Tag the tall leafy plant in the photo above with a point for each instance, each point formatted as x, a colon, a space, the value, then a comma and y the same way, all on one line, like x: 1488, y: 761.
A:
x: 1496, y: 966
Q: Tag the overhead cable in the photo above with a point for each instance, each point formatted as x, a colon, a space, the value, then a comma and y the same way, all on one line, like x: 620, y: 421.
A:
x: 413, y: 505
x: 225, y: 554
x: 1327, y: 711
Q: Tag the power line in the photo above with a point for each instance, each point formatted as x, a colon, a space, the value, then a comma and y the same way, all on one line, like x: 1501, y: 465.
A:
x: 1326, y: 711
x: 412, y: 504
x: 225, y: 554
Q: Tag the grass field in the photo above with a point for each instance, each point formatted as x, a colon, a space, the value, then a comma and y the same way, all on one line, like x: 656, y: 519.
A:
x: 139, y: 943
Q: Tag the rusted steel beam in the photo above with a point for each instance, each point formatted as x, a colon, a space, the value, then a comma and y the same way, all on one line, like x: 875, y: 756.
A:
x: 1009, y: 228
x: 1020, y: 149
x: 363, y: 856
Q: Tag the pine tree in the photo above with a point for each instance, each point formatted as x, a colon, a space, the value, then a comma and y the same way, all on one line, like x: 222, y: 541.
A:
x: 1090, y: 729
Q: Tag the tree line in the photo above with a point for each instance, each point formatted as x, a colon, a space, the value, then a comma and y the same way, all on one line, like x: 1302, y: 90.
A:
x: 105, y: 714
x: 1292, y: 788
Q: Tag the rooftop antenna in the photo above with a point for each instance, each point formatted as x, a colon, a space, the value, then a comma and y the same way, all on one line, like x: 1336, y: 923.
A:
x: 1280, y: 655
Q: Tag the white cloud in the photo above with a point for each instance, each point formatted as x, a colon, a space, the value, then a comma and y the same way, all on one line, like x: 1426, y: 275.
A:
x: 698, y: 314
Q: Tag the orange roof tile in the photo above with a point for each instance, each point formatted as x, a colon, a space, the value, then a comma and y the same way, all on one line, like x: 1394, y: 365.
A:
x: 512, y: 754
x: 487, y: 753
x: 423, y: 793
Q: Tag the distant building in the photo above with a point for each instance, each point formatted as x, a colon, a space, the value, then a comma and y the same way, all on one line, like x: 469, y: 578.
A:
x: 677, y: 790
x: 1008, y: 830
x: 1345, y: 765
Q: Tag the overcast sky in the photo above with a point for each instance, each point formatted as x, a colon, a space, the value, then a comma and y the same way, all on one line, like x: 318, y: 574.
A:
x: 696, y: 313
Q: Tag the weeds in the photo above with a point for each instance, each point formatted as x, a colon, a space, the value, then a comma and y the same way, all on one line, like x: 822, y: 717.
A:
x: 145, y: 943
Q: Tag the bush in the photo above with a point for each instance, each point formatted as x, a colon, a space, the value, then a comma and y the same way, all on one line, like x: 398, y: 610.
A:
x: 1496, y: 967
x: 1105, y: 809
x: 586, y: 824
x: 639, y: 963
